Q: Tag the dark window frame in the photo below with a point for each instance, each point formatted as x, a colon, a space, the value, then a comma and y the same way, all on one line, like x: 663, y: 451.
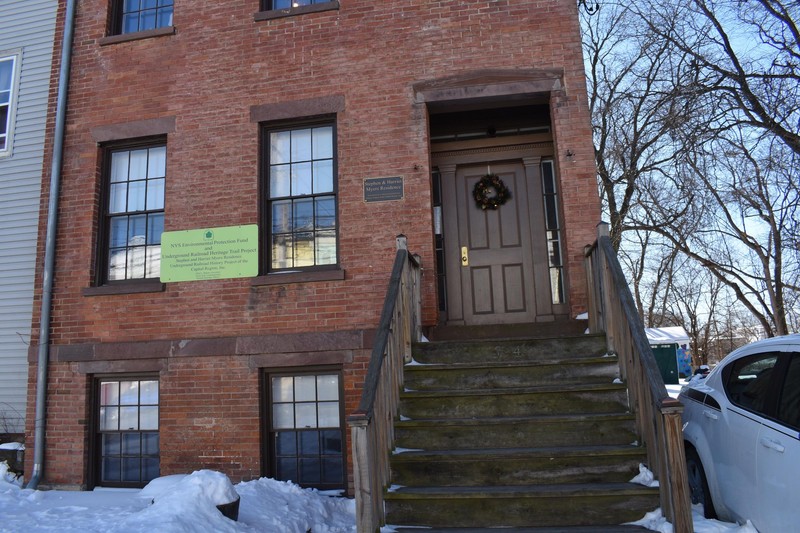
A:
x: 771, y: 384
x: 266, y: 200
x: 269, y: 9
x: 269, y: 441
x: 117, y: 14
x: 95, y: 467
x: 102, y: 278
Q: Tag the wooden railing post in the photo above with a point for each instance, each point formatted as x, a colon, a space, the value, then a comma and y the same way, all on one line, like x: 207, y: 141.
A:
x: 658, y: 416
x: 372, y: 424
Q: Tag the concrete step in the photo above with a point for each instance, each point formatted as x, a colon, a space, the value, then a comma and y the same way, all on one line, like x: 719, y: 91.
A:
x: 516, y: 432
x: 527, y: 506
x: 490, y: 375
x: 509, y: 350
x: 518, y: 466
x: 574, y: 399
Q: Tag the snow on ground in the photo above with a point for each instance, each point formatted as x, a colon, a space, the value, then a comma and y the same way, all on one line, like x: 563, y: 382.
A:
x: 187, y: 504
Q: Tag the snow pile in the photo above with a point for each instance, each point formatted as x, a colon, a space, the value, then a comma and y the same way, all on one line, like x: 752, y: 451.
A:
x: 8, y: 477
x: 12, y: 446
x: 175, y: 504
x: 645, y: 477
x: 655, y: 521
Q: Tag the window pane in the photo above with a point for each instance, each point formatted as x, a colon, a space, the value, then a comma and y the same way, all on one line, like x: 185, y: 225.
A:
x: 287, y: 469
x: 150, y: 443
x: 279, y: 147
x: 6, y: 74
x: 331, y: 441
x: 118, y: 234
x: 129, y: 392
x: 155, y: 227
x: 286, y: 443
x: 323, y: 176
x: 328, y: 387
x: 131, y: 5
x: 130, y: 469
x: 111, y: 444
x: 109, y: 393
x: 282, y: 251
x: 304, y: 214
x: 329, y: 414
x: 283, y: 416
x: 109, y: 418
x: 119, y: 166
x: 306, y: 415
x: 150, y: 469
x: 304, y: 249
x: 325, y: 212
x: 309, y: 470
x: 157, y: 164
x: 282, y: 216
x: 301, y: 179
x: 322, y: 139
x: 137, y: 229
x: 789, y: 405
x: 301, y: 145
x: 129, y: 418
x: 155, y: 194
x: 138, y: 165
x: 283, y: 389
x: 131, y: 444
x: 147, y: 20
x: 279, y: 181
x: 326, y: 248
x: 136, y: 196
x: 148, y: 417
x: 117, y: 260
x: 309, y: 443
x: 305, y: 389
x: 118, y: 197
x: 111, y: 469
x: 152, y: 265
x: 148, y: 392
x: 332, y: 471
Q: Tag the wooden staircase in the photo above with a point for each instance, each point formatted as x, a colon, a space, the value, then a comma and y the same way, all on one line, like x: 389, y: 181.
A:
x: 531, y: 434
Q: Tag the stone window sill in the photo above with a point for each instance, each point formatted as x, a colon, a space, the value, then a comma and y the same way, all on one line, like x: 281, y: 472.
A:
x: 298, y: 277
x: 138, y: 35
x: 126, y: 287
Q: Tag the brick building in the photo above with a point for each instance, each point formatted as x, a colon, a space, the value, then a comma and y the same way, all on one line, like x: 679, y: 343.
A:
x: 324, y: 129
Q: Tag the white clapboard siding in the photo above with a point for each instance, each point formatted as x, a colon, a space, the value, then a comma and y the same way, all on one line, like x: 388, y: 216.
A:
x: 26, y: 28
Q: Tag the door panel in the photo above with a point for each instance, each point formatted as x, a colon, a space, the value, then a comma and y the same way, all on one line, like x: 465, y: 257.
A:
x: 497, y: 284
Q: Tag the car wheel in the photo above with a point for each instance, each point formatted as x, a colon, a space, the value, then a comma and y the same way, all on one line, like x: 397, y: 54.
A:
x: 698, y: 485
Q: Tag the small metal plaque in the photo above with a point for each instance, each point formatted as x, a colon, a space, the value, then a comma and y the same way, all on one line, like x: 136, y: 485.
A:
x: 383, y: 189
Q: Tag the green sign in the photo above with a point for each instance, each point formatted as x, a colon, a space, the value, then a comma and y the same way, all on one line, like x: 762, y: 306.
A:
x: 212, y: 253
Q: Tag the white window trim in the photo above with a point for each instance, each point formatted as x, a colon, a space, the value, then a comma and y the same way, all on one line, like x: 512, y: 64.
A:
x: 16, y: 57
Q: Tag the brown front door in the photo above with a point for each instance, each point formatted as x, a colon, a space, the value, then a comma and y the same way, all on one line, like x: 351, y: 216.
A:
x: 494, y: 277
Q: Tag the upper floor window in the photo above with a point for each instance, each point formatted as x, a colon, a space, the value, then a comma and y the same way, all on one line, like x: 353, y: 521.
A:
x: 134, y: 215
x: 301, y: 198
x: 8, y: 78
x: 131, y: 16
x: 288, y: 4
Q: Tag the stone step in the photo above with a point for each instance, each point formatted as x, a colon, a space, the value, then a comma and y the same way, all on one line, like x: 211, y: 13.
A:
x: 487, y: 375
x: 516, y: 432
x: 575, y: 399
x: 518, y: 466
x: 559, y: 529
x: 527, y: 506
x: 506, y: 350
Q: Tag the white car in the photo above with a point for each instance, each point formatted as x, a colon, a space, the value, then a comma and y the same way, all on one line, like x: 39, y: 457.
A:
x: 741, y: 427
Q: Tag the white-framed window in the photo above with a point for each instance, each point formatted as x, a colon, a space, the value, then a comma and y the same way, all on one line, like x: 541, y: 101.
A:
x: 9, y: 78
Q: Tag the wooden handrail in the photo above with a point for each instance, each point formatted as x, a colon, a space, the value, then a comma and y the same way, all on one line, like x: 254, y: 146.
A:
x: 658, y: 416
x: 372, y: 423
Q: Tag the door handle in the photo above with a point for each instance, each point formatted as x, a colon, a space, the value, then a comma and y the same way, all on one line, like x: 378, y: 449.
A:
x: 709, y: 414
x: 464, y: 256
x: 772, y: 445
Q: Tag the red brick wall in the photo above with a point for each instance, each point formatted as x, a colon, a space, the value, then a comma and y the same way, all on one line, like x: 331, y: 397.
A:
x: 218, y: 64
